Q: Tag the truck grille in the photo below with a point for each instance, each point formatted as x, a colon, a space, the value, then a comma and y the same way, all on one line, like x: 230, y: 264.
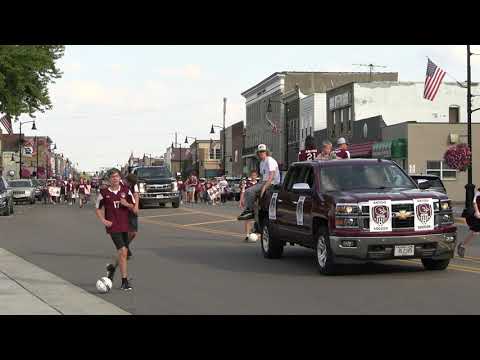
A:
x: 156, y: 188
x: 397, y: 223
x: 19, y: 192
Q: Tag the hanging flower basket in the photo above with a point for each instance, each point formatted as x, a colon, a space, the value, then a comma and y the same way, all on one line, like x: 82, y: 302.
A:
x: 458, y: 157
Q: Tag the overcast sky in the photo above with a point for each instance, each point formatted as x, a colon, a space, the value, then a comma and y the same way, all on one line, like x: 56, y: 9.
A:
x: 113, y: 100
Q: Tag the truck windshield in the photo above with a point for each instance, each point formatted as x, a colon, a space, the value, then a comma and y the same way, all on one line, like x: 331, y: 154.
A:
x: 364, y: 176
x: 161, y: 172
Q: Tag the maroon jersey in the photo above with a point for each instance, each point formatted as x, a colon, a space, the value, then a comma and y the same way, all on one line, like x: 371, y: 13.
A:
x: 306, y: 155
x: 343, y: 154
x: 114, y: 211
x: 81, y: 188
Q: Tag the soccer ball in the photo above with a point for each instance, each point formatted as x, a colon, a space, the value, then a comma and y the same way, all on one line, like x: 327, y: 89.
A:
x: 104, y: 285
x: 253, y: 237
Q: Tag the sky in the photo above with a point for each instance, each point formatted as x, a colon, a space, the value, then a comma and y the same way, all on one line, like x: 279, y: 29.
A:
x: 112, y: 100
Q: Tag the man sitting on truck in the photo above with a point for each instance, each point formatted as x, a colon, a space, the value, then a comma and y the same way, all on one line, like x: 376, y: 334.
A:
x: 270, y: 176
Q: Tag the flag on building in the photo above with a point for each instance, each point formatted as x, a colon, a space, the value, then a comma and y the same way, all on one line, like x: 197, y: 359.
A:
x: 271, y: 124
x: 7, y: 123
x: 433, y: 80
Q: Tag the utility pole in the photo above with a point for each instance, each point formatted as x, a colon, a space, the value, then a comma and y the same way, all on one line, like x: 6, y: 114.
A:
x: 470, y: 187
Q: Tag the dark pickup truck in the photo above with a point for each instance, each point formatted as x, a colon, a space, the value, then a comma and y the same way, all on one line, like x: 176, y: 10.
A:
x: 156, y: 186
x: 356, y: 210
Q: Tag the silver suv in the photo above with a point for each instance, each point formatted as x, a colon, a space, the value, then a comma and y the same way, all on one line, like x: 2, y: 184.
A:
x: 23, y: 190
x: 6, y: 198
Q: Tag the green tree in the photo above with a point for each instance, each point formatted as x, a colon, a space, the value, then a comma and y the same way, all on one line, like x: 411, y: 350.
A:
x: 25, y: 73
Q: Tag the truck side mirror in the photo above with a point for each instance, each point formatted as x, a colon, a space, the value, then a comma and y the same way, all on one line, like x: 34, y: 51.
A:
x: 425, y: 185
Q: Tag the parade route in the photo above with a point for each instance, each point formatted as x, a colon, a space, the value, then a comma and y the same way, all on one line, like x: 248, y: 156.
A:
x: 192, y: 260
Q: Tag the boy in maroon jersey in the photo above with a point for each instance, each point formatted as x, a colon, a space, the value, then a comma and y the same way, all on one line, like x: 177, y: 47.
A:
x: 310, y: 152
x: 342, y: 151
x: 117, y: 201
x: 81, y: 192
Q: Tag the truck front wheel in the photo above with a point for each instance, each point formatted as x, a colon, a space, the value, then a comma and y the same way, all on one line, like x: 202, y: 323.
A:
x: 431, y: 264
x: 175, y: 204
x: 272, y: 248
x: 325, y: 258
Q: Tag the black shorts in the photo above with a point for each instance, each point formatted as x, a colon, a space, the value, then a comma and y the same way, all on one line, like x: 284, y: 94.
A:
x: 473, y: 223
x: 133, y: 222
x: 120, y: 239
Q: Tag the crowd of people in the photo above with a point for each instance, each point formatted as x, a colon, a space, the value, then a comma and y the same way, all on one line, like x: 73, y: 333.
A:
x: 59, y: 191
x: 211, y: 191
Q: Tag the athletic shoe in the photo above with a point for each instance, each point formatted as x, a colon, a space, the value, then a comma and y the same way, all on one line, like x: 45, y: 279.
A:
x: 110, y: 271
x: 246, y: 215
x: 461, y: 250
x: 126, y: 286
x: 246, y: 239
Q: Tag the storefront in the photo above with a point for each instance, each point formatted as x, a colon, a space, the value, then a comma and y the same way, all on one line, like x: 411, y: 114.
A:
x: 363, y: 150
x: 395, y: 150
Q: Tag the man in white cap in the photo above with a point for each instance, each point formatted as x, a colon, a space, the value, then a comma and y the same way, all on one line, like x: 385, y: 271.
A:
x: 270, y: 176
x: 342, y: 151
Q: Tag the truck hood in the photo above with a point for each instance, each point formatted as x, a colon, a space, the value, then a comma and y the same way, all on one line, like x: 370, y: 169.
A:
x: 385, y: 194
x: 23, y: 189
x: 156, y: 180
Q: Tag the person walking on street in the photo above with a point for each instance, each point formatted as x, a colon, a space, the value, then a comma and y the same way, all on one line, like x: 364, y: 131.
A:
x: 81, y: 192
x: 191, y: 185
x: 326, y: 153
x: 473, y: 222
x: 270, y: 174
x: 342, y: 151
x: 247, y: 184
x: 112, y: 209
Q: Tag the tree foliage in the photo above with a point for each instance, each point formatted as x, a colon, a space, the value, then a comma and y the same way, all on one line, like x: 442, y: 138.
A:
x: 25, y: 74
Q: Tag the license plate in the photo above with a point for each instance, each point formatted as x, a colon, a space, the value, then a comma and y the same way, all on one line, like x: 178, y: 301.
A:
x: 160, y: 196
x: 404, y: 250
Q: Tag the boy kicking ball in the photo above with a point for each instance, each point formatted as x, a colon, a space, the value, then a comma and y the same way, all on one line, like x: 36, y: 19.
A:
x: 113, y: 206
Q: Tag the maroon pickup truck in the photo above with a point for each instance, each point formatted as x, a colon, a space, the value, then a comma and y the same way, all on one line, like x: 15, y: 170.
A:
x: 360, y: 210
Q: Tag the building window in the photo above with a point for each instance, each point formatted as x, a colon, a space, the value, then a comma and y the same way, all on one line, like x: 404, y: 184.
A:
x: 454, y: 114
x: 441, y: 169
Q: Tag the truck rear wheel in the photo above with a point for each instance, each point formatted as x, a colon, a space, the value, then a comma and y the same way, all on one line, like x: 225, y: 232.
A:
x: 431, y: 264
x: 272, y: 248
x: 324, y: 256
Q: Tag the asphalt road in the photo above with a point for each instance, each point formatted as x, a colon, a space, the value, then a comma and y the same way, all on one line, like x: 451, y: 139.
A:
x: 192, y: 260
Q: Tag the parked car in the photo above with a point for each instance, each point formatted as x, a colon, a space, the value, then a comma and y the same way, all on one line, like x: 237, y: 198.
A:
x: 358, y: 209
x: 6, y: 198
x: 23, y: 190
x: 432, y: 182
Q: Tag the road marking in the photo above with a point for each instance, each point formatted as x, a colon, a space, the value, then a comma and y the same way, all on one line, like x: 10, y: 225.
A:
x: 209, y: 213
x: 211, y: 222
x: 450, y: 266
x: 197, y: 228
x: 175, y: 214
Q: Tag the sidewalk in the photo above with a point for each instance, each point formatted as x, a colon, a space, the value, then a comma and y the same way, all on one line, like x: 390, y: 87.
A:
x: 26, y: 289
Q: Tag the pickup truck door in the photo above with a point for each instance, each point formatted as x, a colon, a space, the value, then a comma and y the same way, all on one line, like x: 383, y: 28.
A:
x: 299, y: 204
x: 284, y: 204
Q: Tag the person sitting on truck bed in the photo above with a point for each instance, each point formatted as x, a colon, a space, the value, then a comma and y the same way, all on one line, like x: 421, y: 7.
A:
x: 342, y: 151
x: 270, y: 176
x: 327, y: 153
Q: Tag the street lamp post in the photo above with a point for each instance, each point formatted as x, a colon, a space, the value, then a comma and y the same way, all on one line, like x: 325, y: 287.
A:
x: 470, y: 187
x: 212, y: 131
x: 20, y: 141
x: 197, y: 163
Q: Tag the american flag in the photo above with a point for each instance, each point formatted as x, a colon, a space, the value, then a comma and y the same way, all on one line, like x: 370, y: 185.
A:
x: 272, y: 124
x: 433, y: 80
x: 7, y: 123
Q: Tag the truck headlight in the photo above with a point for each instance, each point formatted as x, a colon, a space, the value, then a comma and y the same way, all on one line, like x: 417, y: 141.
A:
x: 445, y: 205
x: 28, y: 192
x: 174, y: 186
x: 346, y: 222
x: 141, y: 187
x: 347, y: 209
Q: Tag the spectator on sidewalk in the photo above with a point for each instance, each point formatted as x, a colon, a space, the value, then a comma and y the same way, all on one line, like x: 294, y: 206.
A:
x: 473, y: 222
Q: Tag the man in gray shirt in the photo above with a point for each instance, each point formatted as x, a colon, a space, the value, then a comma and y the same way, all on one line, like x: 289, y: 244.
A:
x: 270, y: 176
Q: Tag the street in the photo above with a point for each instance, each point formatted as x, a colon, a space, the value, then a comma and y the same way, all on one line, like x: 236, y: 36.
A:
x: 192, y: 260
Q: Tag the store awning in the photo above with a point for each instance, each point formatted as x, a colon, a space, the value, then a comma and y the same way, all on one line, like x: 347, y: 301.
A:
x: 382, y: 149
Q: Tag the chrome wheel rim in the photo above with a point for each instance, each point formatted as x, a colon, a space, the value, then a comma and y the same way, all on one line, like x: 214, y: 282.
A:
x: 321, y: 251
x: 265, y: 239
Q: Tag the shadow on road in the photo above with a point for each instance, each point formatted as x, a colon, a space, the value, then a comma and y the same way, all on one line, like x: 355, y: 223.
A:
x: 295, y: 262
x: 90, y: 256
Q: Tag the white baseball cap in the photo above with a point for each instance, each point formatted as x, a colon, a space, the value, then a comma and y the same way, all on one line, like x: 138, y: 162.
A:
x: 262, y: 147
x: 341, y: 141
